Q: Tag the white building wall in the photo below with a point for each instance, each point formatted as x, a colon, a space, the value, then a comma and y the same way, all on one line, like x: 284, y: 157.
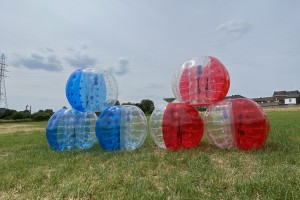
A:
x: 290, y: 101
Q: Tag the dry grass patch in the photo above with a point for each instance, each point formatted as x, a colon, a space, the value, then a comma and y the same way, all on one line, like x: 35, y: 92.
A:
x: 222, y: 163
x: 10, y: 128
x: 288, y: 109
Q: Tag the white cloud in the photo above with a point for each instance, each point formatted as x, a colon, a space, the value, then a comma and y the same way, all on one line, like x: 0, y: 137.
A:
x: 121, y: 68
x: 80, y: 57
x: 81, y: 61
x: 39, y: 61
x: 233, y: 30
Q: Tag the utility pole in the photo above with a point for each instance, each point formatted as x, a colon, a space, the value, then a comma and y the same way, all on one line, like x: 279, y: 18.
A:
x: 3, y: 98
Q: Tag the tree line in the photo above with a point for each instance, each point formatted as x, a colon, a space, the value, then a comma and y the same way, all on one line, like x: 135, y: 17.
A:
x: 41, y: 115
x: 146, y: 105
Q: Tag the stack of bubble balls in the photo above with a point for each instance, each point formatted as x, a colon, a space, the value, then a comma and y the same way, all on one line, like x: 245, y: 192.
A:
x: 117, y: 128
x: 236, y: 123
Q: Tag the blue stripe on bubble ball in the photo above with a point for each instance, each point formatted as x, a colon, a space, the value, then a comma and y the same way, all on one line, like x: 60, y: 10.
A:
x: 73, y: 90
x: 51, y: 130
x: 108, y: 128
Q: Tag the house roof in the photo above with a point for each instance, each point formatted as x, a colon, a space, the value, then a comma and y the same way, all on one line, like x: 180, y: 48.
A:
x: 234, y: 96
x: 279, y: 93
x: 264, y: 99
x: 287, y: 94
x: 292, y: 94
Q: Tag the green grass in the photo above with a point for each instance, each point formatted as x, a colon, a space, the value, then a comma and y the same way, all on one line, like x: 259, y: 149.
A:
x: 29, y: 169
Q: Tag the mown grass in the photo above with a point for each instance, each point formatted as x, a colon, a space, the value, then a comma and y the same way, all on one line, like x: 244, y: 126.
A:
x: 29, y: 169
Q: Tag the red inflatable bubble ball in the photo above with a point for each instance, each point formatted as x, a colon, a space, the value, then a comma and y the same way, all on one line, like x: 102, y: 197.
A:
x: 176, y: 126
x: 237, y: 123
x: 201, y: 82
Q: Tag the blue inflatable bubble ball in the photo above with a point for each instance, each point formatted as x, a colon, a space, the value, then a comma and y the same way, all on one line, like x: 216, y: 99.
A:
x: 121, y: 128
x: 91, y: 90
x: 68, y: 129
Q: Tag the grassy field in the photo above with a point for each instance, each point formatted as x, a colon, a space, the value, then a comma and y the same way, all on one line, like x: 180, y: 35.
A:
x: 29, y: 169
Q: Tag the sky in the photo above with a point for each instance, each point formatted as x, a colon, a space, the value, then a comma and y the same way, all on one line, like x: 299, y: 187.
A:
x: 143, y: 43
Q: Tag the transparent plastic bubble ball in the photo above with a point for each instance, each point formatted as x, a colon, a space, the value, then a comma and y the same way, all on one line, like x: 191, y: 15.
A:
x: 121, y: 128
x: 91, y: 90
x: 237, y: 123
x: 175, y: 125
x: 68, y: 129
x: 201, y: 82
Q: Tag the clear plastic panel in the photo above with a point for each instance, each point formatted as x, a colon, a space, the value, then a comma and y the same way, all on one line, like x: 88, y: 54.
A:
x: 218, y: 125
x: 133, y: 127
x: 155, y: 126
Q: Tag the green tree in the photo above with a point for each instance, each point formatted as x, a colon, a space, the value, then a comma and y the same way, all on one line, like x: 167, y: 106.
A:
x: 18, y: 115
x: 42, y: 115
x: 201, y: 108
x: 7, y: 113
x: 147, y: 106
x: 49, y: 111
x: 117, y: 103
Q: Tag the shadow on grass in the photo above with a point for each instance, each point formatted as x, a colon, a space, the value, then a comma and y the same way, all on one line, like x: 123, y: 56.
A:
x: 277, y: 147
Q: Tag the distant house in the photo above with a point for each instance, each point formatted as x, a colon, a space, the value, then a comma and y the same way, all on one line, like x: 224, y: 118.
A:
x: 236, y: 96
x: 287, y: 97
x: 266, y: 101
